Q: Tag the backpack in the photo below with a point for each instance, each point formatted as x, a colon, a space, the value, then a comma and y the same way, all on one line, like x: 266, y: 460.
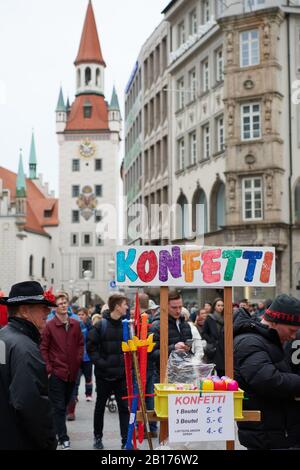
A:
x: 102, y: 327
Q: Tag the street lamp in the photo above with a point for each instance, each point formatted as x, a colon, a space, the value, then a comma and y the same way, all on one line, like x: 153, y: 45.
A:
x: 87, y: 277
x: 71, y: 284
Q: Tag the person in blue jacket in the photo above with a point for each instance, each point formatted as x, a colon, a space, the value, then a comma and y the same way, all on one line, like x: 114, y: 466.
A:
x: 86, y: 368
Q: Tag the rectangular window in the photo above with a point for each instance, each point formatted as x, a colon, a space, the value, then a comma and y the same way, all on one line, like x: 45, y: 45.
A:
x: 98, y: 164
x: 180, y: 154
x: 220, y: 134
x: 251, y: 5
x: 205, y: 75
x: 99, y: 241
x: 75, y: 217
x: 220, y: 7
x: 192, y: 84
x: 205, y: 11
x: 180, y: 34
x: 86, y: 264
x: 180, y: 93
x: 47, y: 213
x: 206, y: 142
x: 75, y: 165
x: 75, y: 191
x: 86, y: 239
x: 251, y: 121
x: 74, y: 239
x: 193, y: 147
x: 219, y: 66
x: 98, y: 190
x: 193, y: 22
x: 252, y: 199
x: 98, y: 216
x: 249, y: 48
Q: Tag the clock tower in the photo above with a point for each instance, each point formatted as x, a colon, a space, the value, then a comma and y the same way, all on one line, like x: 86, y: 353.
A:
x: 89, y: 177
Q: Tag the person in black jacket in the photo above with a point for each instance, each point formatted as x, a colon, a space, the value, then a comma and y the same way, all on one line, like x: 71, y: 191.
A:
x: 26, y: 420
x: 179, y: 329
x: 104, y: 347
x: 264, y: 374
x: 213, y: 334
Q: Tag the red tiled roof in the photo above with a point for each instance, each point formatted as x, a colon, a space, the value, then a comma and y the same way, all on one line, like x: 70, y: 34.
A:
x: 37, y: 203
x: 89, y: 49
x: 97, y: 121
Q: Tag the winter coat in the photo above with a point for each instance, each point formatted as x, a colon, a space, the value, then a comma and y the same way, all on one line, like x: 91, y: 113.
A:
x: 263, y: 373
x: 26, y: 421
x: 213, y: 333
x: 63, y: 349
x: 104, y: 347
x: 86, y: 328
x: 175, y: 336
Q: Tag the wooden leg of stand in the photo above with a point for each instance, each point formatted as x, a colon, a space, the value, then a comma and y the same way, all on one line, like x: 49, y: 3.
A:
x: 164, y: 336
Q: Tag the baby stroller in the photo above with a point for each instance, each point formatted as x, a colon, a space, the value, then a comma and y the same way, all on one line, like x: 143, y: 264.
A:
x: 111, y: 404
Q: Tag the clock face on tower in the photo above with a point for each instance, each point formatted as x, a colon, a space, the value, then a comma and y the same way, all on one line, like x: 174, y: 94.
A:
x: 87, y: 149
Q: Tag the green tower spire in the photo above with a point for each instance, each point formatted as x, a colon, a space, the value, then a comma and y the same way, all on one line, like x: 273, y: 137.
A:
x: 21, y: 183
x: 32, y: 159
x: 114, y: 104
x: 61, y: 102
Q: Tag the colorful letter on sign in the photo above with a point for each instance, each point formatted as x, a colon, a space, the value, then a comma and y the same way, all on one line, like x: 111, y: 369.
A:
x: 195, y: 266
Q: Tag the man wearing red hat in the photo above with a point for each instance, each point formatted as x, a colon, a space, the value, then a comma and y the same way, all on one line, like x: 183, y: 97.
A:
x: 26, y: 421
x: 263, y: 373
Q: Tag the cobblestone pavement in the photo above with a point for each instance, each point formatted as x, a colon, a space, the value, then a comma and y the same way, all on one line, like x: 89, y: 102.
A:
x: 81, y: 430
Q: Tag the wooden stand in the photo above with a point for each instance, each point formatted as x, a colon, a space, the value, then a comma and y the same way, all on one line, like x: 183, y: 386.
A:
x: 164, y: 340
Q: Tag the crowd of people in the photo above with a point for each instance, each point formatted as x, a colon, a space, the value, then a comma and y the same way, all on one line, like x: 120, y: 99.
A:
x: 50, y: 345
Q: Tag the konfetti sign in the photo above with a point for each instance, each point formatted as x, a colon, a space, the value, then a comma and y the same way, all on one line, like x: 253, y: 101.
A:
x: 188, y: 266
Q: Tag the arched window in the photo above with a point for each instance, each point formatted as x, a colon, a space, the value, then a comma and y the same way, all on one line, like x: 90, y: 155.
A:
x: 98, y: 75
x: 182, y: 217
x: 221, y: 206
x: 199, y: 212
x: 78, y: 78
x: 297, y: 203
x: 43, y: 268
x: 31, y: 266
x: 88, y: 76
x: 217, y: 206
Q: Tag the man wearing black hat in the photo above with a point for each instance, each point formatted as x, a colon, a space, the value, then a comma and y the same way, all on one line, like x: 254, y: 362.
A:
x: 26, y: 421
x: 265, y: 376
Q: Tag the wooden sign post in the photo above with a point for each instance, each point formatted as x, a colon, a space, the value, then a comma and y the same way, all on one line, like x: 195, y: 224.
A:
x: 228, y: 341
x: 164, y: 351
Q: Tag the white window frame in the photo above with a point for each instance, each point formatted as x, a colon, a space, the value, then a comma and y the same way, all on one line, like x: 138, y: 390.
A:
x: 251, y: 5
x: 250, y: 43
x: 181, y: 154
x: 251, y: 115
x: 193, y: 22
x: 252, y: 191
x: 193, y: 148
x: 181, y: 33
x: 220, y: 134
x: 77, y: 239
x: 220, y: 7
x: 206, y: 142
x: 90, y: 238
x: 205, y: 75
x: 219, y: 65
x: 180, y: 94
x: 206, y: 11
x: 193, y: 84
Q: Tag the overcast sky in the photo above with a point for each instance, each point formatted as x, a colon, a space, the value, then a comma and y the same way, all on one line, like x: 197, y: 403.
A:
x: 39, y: 40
